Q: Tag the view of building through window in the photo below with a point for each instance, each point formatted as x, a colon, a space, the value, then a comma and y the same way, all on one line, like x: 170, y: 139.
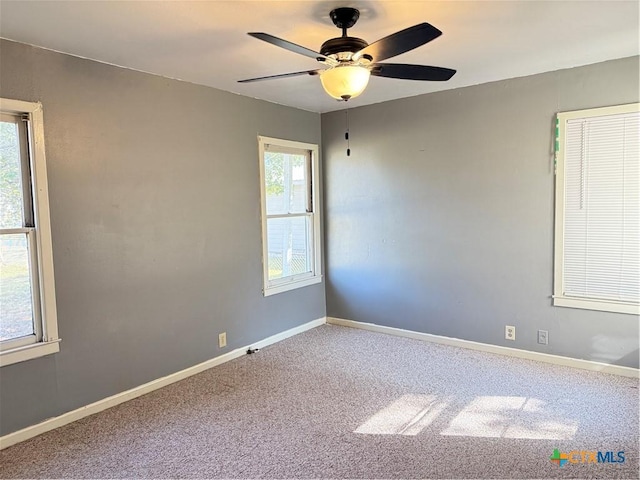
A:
x: 287, y: 211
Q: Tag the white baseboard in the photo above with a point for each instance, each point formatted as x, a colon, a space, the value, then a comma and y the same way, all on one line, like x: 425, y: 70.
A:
x: 100, y: 405
x: 485, y: 347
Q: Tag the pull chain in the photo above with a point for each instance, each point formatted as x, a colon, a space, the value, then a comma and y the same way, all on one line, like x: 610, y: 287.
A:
x: 346, y: 135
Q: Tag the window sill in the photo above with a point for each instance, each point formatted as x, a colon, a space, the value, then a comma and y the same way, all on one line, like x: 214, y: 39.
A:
x: 292, y: 285
x: 601, y: 305
x: 21, y: 354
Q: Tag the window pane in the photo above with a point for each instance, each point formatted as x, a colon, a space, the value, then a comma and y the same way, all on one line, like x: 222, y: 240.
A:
x: 285, y: 182
x: 288, y: 246
x: 16, y: 310
x: 298, y: 184
x: 11, y: 203
x: 274, y: 170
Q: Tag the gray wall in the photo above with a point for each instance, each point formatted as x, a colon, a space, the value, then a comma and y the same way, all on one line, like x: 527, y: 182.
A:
x: 155, y: 213
x: 441, y: 220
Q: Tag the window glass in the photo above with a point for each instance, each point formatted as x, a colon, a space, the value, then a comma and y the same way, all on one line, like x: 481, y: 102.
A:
x: 288, y: 246
x: 11, y: 199
x: 16, y: 308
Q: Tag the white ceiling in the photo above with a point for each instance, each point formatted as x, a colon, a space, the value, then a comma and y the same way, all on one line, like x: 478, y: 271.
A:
x: 205, y: 42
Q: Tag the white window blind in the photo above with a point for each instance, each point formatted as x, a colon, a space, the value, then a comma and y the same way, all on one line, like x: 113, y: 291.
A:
x: 601, y: 199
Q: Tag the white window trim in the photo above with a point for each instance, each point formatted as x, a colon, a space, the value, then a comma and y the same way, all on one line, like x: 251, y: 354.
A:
x: 49, y: 343
x: 559, y: 299
x: 315, y: 276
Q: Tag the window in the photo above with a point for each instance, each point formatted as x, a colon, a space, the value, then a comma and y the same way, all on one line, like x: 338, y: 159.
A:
x: 597, y: 230
x: 290, y: 221
x: 28, y: 327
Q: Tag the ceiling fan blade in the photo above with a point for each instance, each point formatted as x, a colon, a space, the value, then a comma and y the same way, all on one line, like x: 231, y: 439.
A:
x: 282, y: 75
x: 412, y: 72
x: 292, y: 47
x: 400, y: 42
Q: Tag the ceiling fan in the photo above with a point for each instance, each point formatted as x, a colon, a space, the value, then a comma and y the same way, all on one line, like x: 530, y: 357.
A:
x: 350, y: 61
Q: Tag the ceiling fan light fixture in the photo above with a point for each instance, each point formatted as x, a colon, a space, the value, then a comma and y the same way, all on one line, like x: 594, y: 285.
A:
x: 343, y: 82
x: 351, y: 60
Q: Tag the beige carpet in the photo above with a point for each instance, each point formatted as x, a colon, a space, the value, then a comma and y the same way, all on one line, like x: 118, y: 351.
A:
x: 336, y: 402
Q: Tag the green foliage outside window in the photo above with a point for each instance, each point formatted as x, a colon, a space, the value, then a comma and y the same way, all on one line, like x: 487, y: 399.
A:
x: 10, y: 177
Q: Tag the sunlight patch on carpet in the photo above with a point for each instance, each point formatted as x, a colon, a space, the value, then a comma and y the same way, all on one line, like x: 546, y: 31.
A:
x: 511, y: 417
x: 406, y: 416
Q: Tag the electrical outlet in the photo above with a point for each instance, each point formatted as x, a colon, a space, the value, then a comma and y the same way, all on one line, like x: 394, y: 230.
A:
x: 543, y: 337
x: 510, y: 332
x: 222, y: 339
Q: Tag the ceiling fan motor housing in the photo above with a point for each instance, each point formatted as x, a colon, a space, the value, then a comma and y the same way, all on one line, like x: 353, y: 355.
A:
x: 343, y: 18
x: 342, y: 44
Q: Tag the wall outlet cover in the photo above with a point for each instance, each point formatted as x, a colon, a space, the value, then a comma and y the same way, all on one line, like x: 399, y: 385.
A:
x: 510, y: 332
x: 543, y: 337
